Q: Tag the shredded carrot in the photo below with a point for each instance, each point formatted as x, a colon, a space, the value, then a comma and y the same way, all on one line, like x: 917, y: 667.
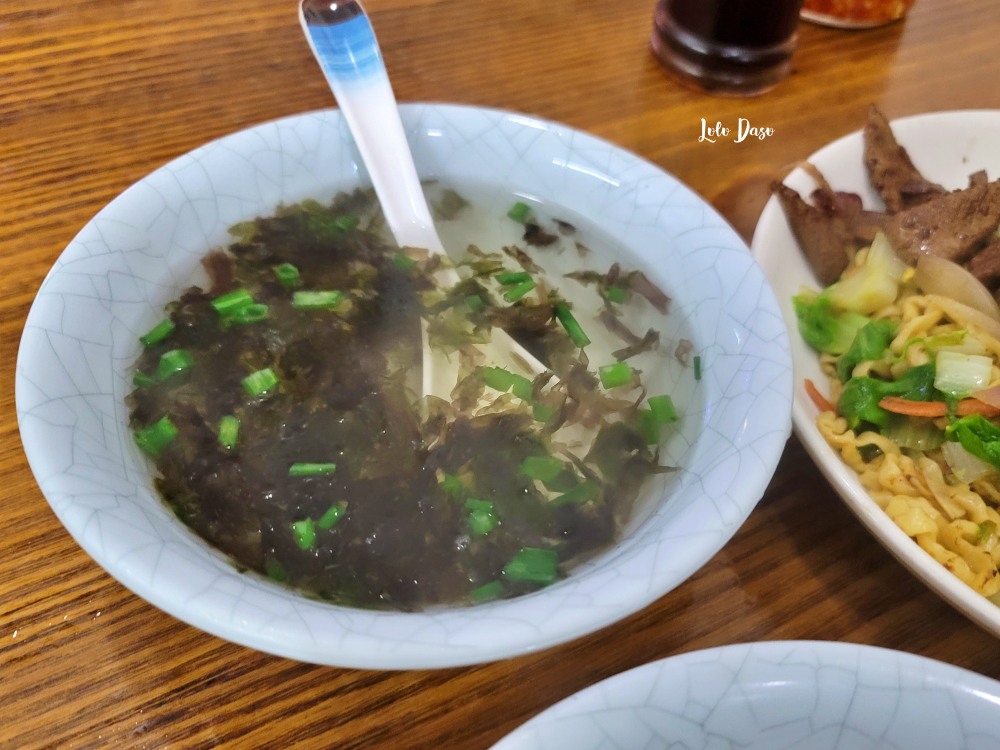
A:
x: 911, y: 408
x: 816, y: 397
x: 933, y: 409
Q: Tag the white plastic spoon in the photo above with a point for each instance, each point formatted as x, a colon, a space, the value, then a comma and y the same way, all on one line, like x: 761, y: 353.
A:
x: 341, y: 37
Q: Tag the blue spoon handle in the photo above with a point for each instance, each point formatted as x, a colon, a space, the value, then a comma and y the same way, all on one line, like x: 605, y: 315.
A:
x: 342, y: 39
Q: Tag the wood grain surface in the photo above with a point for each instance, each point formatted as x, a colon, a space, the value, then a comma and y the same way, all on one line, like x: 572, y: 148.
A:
x: 95, y: 95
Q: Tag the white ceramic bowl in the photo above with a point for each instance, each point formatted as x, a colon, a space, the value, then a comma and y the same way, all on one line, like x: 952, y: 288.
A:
x: 947, y: 147
x: 112, y: 282
x: 779, y: 695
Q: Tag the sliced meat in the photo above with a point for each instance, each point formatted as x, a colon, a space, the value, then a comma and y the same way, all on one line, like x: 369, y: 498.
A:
x: 985, y: 265
x: 824, y: 235
x: 952, y: 225
x: 889, y: 166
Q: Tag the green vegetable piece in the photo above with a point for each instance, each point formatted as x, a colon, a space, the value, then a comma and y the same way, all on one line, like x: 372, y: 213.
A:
x: 522, y: 387
x: 615, y: 294
x: 346, y: 222
x: 824, y: 328
x: 510, y: 278
x: 475, y: 302
x: 482, y: 519
x: 157, y: 436
x: 288, y: 275
x: 542, y: 468
x: 516, y: 292
x: 520, y: 212
x: 244, y: 232
x: 317, y: 300
x: 859, y: 399
x: 663, y: 410
x: 323, y: 225
x: 141, y: 380
x: 582, y: 493
x: 979, y: 436
x: 543, y: 412
x: 173, y: 362
x: 332, y: 515
x: 697, y: 367
x: 230, y: 302
x: 260, y: 382
x: 647, y: 426
x: 305, y: 469
x: 487, y: 592
x: 870, y: 342
x: 250, y: 314
x: 403, y: 262
x: 275, y: 571
x: 229, y: 430
x: 158, y: 332
x: 533, y: 564
x: 497, y: 378
x: 615, y: 375
x: 572, y: 326
x: 304, y: 532
x: 452, y: 485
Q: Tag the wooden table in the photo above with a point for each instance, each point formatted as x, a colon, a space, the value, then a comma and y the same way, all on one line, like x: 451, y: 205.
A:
x: 95, y: 95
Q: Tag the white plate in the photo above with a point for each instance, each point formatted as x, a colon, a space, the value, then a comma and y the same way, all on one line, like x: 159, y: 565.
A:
x: 946, y: 147
x: 780, y: 695
x: 111, y: 283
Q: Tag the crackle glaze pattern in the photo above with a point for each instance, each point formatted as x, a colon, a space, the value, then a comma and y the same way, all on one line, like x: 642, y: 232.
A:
x: 781, y: 695
x: 111, y: 284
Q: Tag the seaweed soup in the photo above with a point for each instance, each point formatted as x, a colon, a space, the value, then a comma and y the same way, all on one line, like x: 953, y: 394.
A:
x: 280, y: 401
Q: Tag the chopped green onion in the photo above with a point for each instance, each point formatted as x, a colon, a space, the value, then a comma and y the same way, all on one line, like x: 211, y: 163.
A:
x: 522, y: 387
x: 533, y: 564
x: 509, y: 278
x: 542, y: 468
x: 519, y: 212
x: 158, y: 332
x: 304, y: 532
x: 615, y: 294
x: 613, y: 376
x: 497, y: 378
x: 482, y: 519
x: 333, y: 514
x: 275, y: 571
x: 582, y: 493
x: 346, y: 222
x: 487, y: 592
x: 141, y: 380
x: 697, y: 367
x: 229, y: 430
x: 452, y: 485
x: 516, y: 292
x: 324, y: 300
x: 250, y: 314
x: 647, y: 426
x: 475, y: 302
x: 403, y: 262
x: 303, y: 469
x: 157, y: 436
x: 173, y: 362
x: 260, y: 382
x: 543, y: 412
x: 663, y: 409
x: 572, y: 326
x: 232, y: 301
x: 288, y: 275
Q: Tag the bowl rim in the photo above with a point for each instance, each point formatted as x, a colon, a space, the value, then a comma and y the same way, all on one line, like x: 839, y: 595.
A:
x: 361, y: 647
